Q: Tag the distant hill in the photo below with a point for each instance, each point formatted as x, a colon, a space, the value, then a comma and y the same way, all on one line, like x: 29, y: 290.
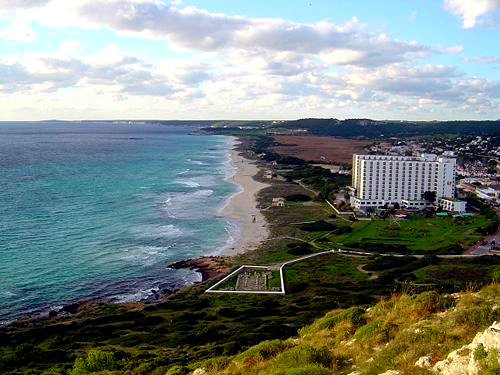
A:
x: 373, y: 128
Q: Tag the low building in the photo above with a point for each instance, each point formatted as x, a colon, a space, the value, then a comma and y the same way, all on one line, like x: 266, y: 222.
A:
x: 452, y: 205
x: 278, y: 202
x: 486, y: 193
x: 268, y: 174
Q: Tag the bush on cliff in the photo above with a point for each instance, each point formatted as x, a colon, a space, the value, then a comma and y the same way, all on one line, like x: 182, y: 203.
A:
x: 392, y: 334
x: 96, y: 362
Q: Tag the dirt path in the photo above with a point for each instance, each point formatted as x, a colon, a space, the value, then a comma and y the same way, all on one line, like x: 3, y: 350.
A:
x: 372, y: 275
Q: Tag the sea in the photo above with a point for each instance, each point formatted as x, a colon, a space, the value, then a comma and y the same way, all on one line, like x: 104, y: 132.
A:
x: 98, y: 210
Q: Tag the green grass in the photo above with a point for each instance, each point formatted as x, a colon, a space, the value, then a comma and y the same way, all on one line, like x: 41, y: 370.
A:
x: 326, y: 269
x: 450, y: 272
x: 229, y: 284
x: 391, y: 334
x: 418, y: 234
x: 275, y: 281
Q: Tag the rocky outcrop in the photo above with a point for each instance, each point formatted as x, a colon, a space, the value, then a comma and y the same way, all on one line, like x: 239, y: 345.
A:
x: 465, y: 361
x: 210, y: 266
x: 424, y: 362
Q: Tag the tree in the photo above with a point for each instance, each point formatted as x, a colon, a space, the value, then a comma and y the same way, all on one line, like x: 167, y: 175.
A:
x: 429, y: 196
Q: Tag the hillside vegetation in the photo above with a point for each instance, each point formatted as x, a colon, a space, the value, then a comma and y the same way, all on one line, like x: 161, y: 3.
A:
x: 373, y: 128
x: 393, y: 334
x: 390, y: 335
x: 365, y: 128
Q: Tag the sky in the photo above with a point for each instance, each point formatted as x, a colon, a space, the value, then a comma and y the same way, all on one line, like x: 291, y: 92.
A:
x: 249, y: 59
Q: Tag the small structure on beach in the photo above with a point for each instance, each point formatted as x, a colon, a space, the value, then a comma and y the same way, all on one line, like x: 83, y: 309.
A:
x: 268, y: 174
x: 278, y: 202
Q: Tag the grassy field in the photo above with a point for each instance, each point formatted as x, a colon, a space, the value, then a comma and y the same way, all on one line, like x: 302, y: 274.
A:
x: 417, y: 234
x: 457, y: 271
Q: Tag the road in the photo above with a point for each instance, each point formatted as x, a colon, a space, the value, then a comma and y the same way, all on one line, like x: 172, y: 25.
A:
x: 480, y: 249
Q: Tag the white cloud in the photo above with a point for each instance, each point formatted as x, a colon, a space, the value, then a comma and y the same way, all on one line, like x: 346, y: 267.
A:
x: 69, y: 48
x: 18, y: 31
x: 451, y: 50
x: 341, y: 56
x: 196, y: 29
x: 239, y: 67
x: 486, y: 60
x: 230, y: 87
x: 471, y: 10
x: 21, y: 4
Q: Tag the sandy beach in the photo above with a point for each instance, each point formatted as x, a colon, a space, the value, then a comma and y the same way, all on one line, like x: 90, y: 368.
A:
x: 242, y: 207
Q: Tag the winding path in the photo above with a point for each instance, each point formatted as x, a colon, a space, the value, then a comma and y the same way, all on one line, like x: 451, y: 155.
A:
x: 281, y: 266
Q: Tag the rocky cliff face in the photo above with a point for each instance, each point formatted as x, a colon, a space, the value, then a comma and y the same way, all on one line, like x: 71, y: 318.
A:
x: 471, y: 358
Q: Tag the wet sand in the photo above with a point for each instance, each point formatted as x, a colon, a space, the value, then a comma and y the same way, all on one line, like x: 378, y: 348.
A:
x: 242, y: 207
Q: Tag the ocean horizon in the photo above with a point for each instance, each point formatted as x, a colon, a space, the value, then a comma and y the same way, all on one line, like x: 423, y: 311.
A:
x: 97, y: 210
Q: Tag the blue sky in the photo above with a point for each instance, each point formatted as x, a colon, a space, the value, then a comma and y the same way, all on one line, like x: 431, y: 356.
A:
x: 200, y: 59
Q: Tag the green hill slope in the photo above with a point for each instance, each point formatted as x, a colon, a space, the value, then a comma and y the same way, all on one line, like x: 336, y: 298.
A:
x: 392, y: 334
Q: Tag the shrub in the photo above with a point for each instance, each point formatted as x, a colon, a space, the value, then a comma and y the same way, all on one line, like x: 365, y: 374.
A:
x: 480, y: 352
x: 177, y: 370
x: 208, y: 333
x: 318, y: 226
x: 56, y: 370
x: 382, y: 263
x: 298, y: 198
x: 216, y: 364
x: 368, y: 330
x: 230, y: 348
x: 302, y: 355
x: 301, y: 249
x: 306, y: 370
x: 25, y: 352
x: 343, y: 230
x: 96, y: 361
x: 264, y: 350
x: 353, y: 315
x: 491, y: 364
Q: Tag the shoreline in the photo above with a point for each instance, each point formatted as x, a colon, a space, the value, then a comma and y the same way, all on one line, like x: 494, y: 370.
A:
x: 241, y: 208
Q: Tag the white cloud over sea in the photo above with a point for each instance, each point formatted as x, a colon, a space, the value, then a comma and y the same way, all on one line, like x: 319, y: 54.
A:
x: 221, y: 66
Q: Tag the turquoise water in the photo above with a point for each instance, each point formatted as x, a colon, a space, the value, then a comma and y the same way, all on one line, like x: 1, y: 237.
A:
x: 97, y: 210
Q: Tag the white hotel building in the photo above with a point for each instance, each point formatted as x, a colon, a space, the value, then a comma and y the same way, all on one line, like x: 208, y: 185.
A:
x: 378, y: 180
